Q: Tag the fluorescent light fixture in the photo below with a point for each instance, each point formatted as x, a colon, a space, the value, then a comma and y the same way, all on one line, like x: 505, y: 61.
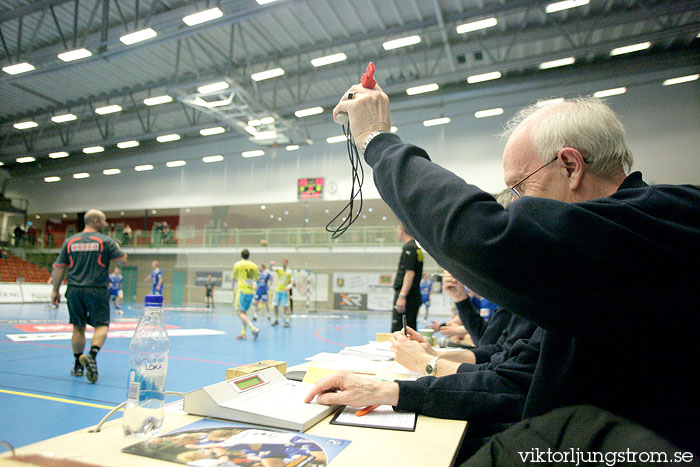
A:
x: 213, y: 87
x: 630, y: 48
x: 64, y: 118
x: 164, y: 99
x: 18, y: 68
x: 168, y: 138
x: 24, y: 160
x: 403, y: 42
x: 267, y: 74
x: 488, y: 112
x: 328, y: 59
x: 251, y: 130
x: 255, y: 153
x: 143, y: 168
x: 108, y: 109
x: 267, y: 120
x: 128, y: 144
x: 308, y: 112
x: 610, y: 92
x: 58, y: 155
x: 393, y: 129
x: 565, y: 5
x: 476, y: 25
x: 93, y: 149
x: 264, y: 2
x: 483, y: 77
x: 437, y: 121
x: 681, y: 79
x: 25, y: 125
x: 52, y: 179
x: 556, y: 63
x: 212, y: 131
x: 217, y: 158
x: 81, y: 175
x: 202, y: 16
x: 111, y: 171
x: 179, y: 163
x: 271, y: 134
x: 546, y: 102
x: 421, y: 89
x: 76, y: 54
x: 292, y: 147
x: 138, y: 36
x: 336, y: 139
x: 253, y: 123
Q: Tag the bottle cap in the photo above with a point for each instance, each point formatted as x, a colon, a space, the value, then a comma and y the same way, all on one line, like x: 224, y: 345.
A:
x: 153, y: 300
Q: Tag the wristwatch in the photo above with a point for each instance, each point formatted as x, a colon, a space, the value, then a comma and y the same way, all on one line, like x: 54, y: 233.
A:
x: 371, y: 136
x: 431, y: 367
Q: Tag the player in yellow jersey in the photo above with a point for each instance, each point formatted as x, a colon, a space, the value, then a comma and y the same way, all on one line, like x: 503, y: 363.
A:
x: 245, y: 274
x: 285, y: 281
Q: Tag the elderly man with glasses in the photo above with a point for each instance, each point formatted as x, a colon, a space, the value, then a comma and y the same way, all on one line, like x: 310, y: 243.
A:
x: 587, y: 250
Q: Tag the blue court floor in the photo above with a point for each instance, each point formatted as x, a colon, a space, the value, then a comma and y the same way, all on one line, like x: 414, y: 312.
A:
x: 39, y: 398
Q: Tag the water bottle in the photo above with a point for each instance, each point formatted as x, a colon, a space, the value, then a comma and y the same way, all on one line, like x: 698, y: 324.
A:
x: 148, y: 367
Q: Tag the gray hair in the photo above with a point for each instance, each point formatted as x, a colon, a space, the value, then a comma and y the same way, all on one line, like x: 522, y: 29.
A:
x: 586, y: 124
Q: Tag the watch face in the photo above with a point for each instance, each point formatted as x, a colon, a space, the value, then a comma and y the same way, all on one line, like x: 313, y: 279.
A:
x: 429, y: 369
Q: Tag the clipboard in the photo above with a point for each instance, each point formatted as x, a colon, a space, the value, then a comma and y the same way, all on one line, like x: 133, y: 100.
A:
x: 383, y: 417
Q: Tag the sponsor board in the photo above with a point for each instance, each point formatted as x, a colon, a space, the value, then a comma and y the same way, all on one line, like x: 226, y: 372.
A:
x: 380, y: 301
x: 350, y: 301
x: 66, y: 336
x: 10, y: 293
x: 201, y: 278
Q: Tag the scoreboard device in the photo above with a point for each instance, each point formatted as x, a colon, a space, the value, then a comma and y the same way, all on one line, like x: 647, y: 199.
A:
x: 310, y: 188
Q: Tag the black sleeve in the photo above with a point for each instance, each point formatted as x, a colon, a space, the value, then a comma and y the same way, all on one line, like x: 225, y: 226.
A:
x: 409, y: 258
x: 472, y: 321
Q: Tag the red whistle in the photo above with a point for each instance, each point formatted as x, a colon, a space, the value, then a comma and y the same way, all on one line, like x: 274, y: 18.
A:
x: 368, y: 78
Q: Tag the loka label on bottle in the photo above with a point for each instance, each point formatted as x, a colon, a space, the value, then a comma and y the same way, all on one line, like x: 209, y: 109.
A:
x: 147, y: 379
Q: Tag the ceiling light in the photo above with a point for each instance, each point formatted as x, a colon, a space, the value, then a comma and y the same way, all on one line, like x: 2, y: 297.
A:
x: 476, y: 25
x: 630, y: 48
x: 128, y: 144
x: 336, y: 139
x: 212, y: 131
x: 403, y: 42
x: 81, y: 175
x: 556, y: 63
x: 108, y: 109
x: 52, y: 179
x: 308, y: 112
x: 267, y: 74
x: 168, y: 138
x: 292, y: 147
x: 265, y: 135
x: 422, y: 89
x: 483, y: 77
x: 251, y: 130
x: 272, y: 216
x: 25, y: 125
x: 64, y: 215
x: 202, y: 16
x: 143, y: 168
x: 610, y: 92
x: 93, y: 149
x: 546, y: 102
x: 681, y: 79
x: 264, y: 2
x: 76, y: 54
x: 437, y: 121
x: 488, y: 112
x: 328, y: 59
x: 138, y: 36
x: 153, y: 211
x: 393, y: 129
x: 179, y: 163
x: 267, y: 120
x: 280, y: 219
x: 18, y: 68
x: 565, y: 5
x: 255, y: 153
x: 64, y: 118
x: 164, y: 99
x: 58, y: 155
x: 24, y: 160
x: 217, y: 158
x: 111, y: 171
x: 254, y: 122
x: 213, y: 87
x: 263, y: 207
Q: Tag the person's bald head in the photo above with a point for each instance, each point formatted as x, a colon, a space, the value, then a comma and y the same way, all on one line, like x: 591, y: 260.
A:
x: 95, y: 219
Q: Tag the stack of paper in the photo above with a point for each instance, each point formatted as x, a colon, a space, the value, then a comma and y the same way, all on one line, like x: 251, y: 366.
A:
x: 379, y: 351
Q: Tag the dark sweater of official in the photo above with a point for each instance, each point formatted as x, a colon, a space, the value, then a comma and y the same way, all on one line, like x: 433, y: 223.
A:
x: 488, y: 336
x: 604, y: 278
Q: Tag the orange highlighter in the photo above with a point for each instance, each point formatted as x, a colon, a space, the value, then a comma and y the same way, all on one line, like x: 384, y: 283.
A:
x: 365, y: 410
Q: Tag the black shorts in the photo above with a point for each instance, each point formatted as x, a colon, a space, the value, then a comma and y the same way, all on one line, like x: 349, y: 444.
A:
x: 88, y: 305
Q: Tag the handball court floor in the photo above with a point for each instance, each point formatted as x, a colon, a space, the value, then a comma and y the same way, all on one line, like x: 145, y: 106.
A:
x: 39, y: 399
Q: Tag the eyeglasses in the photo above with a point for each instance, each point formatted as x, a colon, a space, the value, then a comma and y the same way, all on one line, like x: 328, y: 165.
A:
x: 514, y: 189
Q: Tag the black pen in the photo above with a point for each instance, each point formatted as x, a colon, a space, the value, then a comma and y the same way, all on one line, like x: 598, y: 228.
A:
x: 403, y: 317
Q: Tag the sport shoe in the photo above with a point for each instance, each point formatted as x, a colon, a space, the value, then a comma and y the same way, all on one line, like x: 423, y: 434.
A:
x: 77, y: 370
x: 275, y: 323
x: 241, y: 337
x: 286, y: 325
x: 256, y: 333
x: 90, y: 367
x: 255, y: 317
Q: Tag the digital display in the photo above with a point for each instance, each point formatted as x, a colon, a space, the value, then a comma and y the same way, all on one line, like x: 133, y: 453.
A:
x: 248, y: 382
x: 310, y: 188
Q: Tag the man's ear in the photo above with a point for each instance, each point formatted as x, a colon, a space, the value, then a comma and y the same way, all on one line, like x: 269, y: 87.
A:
x: 575, y: 166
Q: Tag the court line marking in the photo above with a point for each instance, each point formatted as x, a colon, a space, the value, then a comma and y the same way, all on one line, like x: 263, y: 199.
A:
x: 56, y: 399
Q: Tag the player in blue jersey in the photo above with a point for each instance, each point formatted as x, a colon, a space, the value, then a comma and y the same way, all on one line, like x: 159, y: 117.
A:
x: 116, y: 294
x: 261, y: 291
x: 426, y: 288
x: 156, y: 278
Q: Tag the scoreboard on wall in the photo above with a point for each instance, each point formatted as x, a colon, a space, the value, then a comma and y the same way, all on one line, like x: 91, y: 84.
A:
x: 310, y: 188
